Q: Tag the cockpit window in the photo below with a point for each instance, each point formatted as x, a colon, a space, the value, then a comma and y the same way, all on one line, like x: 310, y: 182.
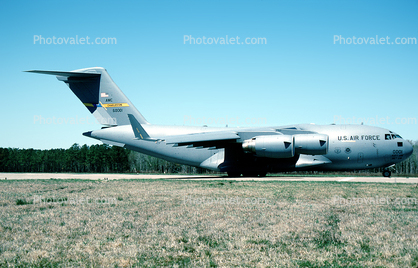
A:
x: 392, y: 136
x: 396, y: 136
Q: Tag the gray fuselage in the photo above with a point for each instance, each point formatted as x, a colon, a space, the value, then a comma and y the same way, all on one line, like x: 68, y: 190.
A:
x: 350, y: 146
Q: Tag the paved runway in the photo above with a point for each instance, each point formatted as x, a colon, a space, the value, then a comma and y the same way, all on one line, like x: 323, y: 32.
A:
x: 86, y: 176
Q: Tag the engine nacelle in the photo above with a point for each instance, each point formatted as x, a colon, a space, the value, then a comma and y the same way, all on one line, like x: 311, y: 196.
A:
x: 272, y: 146
x: 312, y: 144
x: 286, y: 146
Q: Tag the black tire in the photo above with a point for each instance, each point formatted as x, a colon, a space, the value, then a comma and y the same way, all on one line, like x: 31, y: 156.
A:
x: 386, y: 174
x: 250, y: 174
x: 233, y: 174
x: 262, y: 174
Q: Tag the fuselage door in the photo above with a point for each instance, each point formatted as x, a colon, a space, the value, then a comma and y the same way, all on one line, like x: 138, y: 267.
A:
x: 360, y: 158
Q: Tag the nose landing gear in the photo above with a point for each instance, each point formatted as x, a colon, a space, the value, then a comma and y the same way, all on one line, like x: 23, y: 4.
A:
x: 387, y: 172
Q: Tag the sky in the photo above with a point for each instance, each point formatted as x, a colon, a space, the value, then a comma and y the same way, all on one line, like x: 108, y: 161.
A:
x: 316, y: 62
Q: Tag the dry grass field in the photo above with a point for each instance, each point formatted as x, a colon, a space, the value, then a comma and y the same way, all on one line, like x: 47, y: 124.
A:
x: 180, y: 223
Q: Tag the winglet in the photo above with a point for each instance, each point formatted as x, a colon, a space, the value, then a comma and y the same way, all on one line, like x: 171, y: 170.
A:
x: 139, y: 131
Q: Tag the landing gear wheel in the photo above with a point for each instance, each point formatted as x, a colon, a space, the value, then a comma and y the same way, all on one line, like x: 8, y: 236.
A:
x: 233, y: 174
x: 250, y: 174
x: 387, y: 173
x: 262, y: 174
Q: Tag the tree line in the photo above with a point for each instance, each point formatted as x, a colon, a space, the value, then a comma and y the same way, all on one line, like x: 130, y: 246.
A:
x: 87, y: 159
x: 112, y: 159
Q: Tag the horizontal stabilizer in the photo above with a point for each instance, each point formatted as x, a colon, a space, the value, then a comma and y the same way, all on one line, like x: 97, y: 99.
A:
x: 66, y: 74
x: 139, y: 131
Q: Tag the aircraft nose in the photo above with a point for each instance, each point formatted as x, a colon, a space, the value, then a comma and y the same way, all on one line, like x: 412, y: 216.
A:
x: 408, y: 149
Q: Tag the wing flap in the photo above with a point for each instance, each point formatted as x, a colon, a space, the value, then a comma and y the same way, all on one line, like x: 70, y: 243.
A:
x: 204, y: 140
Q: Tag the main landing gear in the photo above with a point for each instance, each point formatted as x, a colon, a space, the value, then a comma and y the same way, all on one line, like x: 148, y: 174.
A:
x: 247, y: 174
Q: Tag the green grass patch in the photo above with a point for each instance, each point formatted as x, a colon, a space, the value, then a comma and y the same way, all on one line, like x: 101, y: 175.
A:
x: 301, y: 224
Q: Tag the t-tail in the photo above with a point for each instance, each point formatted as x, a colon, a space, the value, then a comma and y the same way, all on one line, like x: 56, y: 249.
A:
x: 101, y: 96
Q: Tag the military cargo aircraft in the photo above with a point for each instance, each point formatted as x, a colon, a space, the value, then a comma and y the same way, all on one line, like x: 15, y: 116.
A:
x: 236, y: 151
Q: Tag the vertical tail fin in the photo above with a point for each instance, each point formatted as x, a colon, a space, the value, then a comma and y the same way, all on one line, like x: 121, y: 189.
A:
x: 101, y: 96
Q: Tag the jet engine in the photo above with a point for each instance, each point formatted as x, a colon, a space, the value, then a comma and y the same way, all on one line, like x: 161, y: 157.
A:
x: 273, y: 146
x: 286, y: 146
x: 312, y: 144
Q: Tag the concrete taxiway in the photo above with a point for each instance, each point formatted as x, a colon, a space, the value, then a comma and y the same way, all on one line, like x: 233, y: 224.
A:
x: 103, y: 176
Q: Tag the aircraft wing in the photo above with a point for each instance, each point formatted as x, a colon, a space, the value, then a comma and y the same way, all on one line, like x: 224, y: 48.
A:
x: 204, y: 140
x: 221, y: 139
x: 293, y: 131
